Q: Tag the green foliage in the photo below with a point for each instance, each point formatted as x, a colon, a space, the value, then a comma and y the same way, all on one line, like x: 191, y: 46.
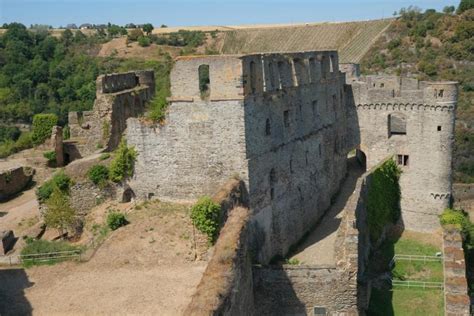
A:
x: 205, y: 216
x: 66, y: 132
x: 453, y: 217
x: 148, y: 28
x: 182, y: 38
x: 123, y: 162
x: 50, y: 155
x: 104, y: 156
x: 383, y: 198
x: 9, y: 133
x: 34, y: 247
x: 465, y: 5
x: 293, y: 261
x: 59, y: 180
x: 98, y: 174
x: 42, y: 126
x: 116, y: 220
x: 144, y: 41
x: 60, y: 214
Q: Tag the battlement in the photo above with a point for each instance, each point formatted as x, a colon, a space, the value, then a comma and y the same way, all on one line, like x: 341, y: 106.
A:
x: 230, y: 77
x: 373, y: 90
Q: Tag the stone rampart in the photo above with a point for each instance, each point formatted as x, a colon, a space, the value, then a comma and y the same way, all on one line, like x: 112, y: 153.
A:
x: 118, y: 97
x: 13, y: 180
x: 456, y: 300
x: 226, y: 285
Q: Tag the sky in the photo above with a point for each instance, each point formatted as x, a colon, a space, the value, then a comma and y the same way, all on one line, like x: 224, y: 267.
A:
x: 202, y: 12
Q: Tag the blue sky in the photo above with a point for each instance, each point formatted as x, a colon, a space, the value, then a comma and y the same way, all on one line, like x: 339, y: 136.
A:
x: 202, y: 12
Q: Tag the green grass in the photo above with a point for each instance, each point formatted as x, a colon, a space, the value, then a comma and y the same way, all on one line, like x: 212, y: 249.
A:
x: 405, y: 246
x: 406, y: 302
x: 418, y: 271
x: 44, y: 246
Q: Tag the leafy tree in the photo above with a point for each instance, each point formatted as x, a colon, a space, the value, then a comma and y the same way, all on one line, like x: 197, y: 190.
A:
x: 449, y: 9
x: 148, y: 28
x: 205, y: 216
x: 135, y: 34
x: 67, y: 37
x: 465, y: 5
x: 60, y: 214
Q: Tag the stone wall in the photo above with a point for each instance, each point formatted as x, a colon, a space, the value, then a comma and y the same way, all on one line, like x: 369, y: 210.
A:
x: 424, y: 151
x: 456, y: 300
x: 13, y: 180
x: 278, y: 121
x: 226, y: 285
x: 84, y: 196
x: 118, y: 97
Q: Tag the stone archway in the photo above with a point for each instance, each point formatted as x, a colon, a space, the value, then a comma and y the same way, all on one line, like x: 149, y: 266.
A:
x: 128, y: 195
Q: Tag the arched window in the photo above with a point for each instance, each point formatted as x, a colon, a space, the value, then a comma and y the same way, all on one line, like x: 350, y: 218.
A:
x: 204, y: 81
x: 397, y: 124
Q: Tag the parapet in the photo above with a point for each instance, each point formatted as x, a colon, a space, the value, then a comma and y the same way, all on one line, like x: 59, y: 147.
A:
x: 116, y: 82
x: 230, y: 77
x: 399, y: 90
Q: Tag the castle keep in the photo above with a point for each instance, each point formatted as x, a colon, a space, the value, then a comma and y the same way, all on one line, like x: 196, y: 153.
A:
x: 285, y: 123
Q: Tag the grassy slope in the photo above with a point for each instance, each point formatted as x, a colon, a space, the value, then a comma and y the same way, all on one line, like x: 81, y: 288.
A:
x: 434, y: 46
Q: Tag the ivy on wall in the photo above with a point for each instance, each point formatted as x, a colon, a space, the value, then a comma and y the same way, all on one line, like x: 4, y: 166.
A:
x: 383, y: 198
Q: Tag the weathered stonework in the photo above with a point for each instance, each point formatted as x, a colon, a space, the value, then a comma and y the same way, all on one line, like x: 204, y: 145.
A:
x: 414, y: 121
x: 456, y: 300
x: 118, y: 97
x: 278, y: 121
x: 13, y: 180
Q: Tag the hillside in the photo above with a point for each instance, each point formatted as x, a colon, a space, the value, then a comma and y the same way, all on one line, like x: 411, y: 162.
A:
x: 434, y: 46
x: 351, y: 39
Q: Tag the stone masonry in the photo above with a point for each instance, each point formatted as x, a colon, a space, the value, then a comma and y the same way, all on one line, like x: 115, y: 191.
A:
x: 278, y: 121
x: 118, y: 97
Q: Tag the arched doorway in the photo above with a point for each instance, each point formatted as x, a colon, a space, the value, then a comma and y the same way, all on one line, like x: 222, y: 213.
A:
x: 128, y: 195
x: 361, y: 159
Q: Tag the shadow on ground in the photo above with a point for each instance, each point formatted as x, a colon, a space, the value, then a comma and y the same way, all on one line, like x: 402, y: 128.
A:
x: 13, y: 283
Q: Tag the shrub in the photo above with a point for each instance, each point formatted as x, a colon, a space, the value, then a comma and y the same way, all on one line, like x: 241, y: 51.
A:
x: 24, y: 141
x: 60, y: 180
x: 134, y: 34
x: 42, y: 126
x: 143, y: 41
x: 123, y: 163
x: 453, y: 217
x: 104, y: 156
x: 383, y: 198
x: 116, y: 220
x: 98, y: 174
x: 205, y: 216
x: 66, y: 132
x: 50, y: 155
x: 60, y: 214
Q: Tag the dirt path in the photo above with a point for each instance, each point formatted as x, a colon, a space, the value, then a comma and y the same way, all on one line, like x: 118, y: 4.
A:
x: 146, y: 267
x: 318, y: 248
x: 14, y: 211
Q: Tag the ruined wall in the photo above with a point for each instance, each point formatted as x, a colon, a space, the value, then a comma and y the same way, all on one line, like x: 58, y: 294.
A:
x: 202, y: 143
x: 296, y: 141
x: 424, y: 151
x: 118, y: 97
x: 278, y: 121
x: 13, y: 180
x: 226, y: 285
x: 456, y: 300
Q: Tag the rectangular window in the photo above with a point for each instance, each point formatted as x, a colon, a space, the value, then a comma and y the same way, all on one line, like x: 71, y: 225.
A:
x: 439, y: 128
x: 286, y: 118
x: 402, y: 160
x: 405, y: 160
x: 315, y: 108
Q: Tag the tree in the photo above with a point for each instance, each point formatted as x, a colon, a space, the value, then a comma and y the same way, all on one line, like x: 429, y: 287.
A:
x: 134, y: 34
x: 60, y: 214
x: 42, y: 126
x: 66, y: 37
x: 148, y: 28
x: 123, y: 163
x: 144, y: 41
x: 449, y: 9
x: 465, y: 5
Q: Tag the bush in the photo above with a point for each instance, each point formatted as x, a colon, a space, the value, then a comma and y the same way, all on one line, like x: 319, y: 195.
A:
x: 116, y: 220
x: 205, y: 216
x: 104, y: 156
x: 50, y: 155
x: 9, y: 133
x: 24, y: 141
x: 42, y: 127
x: 134, y: 34
x: 98, y: 174
x: 60, y: 180
x: 143, y: 41
x: 383, y: 198
x: 123, y: 163
x: 60, y: 214
x: 453, y: 217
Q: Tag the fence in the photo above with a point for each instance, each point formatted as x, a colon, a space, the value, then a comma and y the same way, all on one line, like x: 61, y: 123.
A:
x: 42, y: 257
x: 418, y: 284
x: 417, y: 258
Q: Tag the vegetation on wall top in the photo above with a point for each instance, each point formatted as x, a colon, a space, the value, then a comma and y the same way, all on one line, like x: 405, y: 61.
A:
x: 205, y: 216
